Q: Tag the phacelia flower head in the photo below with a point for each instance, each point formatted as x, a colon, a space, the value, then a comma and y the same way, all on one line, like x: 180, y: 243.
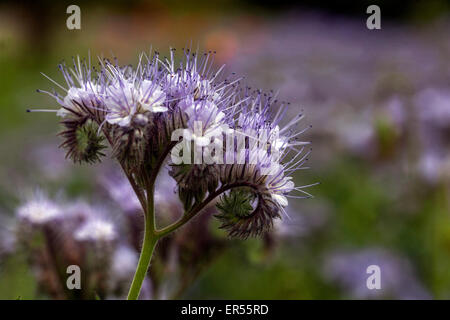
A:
x: 261, y: 165
x: 242, y: 148
x: 129, y: 97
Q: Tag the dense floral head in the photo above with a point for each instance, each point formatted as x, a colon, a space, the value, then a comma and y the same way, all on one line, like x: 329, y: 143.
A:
x: 224, y: 139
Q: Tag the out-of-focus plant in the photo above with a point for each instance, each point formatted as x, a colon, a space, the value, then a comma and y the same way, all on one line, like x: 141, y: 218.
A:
x: 57, y: 234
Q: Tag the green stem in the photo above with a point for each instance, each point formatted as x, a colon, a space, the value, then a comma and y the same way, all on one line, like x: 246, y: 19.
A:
x: 196, y: 209
x: 151, y: 235
x: 143, y: 264
x: 148, y: 247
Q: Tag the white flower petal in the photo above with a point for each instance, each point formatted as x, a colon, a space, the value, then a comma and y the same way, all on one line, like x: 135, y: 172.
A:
x: 158, y: 109
x: 282, y: 200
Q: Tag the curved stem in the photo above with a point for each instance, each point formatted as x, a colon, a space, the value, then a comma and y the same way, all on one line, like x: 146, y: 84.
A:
x: 196, y: 209
x: 160, y: 162
x: 148, y: 246
x: 150, y: 235
x: 133, y: 184
x: 140, y: 195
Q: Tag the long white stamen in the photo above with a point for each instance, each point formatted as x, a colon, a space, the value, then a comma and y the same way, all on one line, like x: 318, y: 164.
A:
x: 56, y: 83
x: 307, y: 186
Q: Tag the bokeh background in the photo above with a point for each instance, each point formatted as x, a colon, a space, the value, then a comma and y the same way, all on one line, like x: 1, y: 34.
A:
x: 378, y: 102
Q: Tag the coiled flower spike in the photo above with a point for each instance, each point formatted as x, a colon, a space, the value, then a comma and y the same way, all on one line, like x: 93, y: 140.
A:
x: 222, y: 142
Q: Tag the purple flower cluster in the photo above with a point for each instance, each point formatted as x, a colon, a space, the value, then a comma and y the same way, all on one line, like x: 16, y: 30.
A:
x: 139, y: 111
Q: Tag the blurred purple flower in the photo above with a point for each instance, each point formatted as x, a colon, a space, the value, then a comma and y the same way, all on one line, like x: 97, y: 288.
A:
x: 348, y: 269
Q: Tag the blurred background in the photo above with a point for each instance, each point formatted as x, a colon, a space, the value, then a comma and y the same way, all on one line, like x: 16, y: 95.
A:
x: 379, y: 105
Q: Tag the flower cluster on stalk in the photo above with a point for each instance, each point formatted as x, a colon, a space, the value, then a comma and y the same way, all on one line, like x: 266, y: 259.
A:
x: 140, y: 112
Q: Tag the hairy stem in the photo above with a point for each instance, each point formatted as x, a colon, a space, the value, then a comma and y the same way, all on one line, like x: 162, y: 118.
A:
x: 140, y: 195
x: 196, y: 209
x: 148, y: 246
x: 151, y: 234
